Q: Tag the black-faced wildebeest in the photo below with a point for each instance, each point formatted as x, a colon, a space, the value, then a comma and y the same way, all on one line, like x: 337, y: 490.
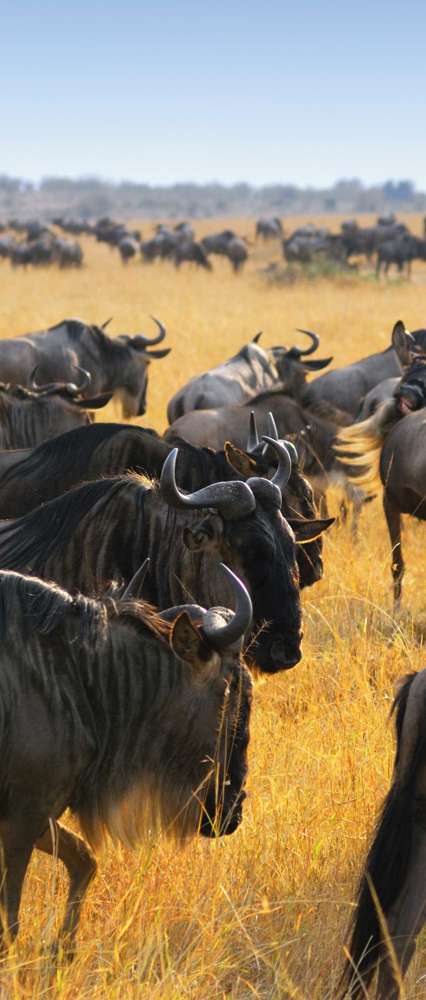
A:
x: 391, y: 906
x: 31, y: 478
x: 102, y: 531
x: 389, y: 452
x: 191, y: 252
x: 116, y: 364
x: 344, y: 388
x: 135, y: 720
x: 28, y: 417
x: 243, y: 376
x: 269, y: 228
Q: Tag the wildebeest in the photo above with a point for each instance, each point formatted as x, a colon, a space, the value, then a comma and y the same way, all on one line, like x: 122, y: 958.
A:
x: 389, y: 451
x: 391, y: 906
x: 345, y: 387
x: 30, y: 416
x: 128, y: 248
x: 269, y: 227
x: 135, y: 720
x: 30, y: 478
x: 102, y: 531
x: 243, y: 376
x: 237, y: 253
x: 191, y: 252
x: 217, y: 243
x: 116, y: 364
x: 67, y: 253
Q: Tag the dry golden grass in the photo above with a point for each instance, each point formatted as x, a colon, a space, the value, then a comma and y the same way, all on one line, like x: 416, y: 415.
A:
x: 263, y: 913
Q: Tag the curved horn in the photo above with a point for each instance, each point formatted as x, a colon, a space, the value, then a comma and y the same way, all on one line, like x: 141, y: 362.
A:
x: 257, y: 337
x: 232, y: 500
x: 253, y: 437
x: 272, y: 427
x: 136, y: 583
x: 315, y: 342
x: 49, y: 388
x: 283, y: 472
x: 221, y: 636
x: 140, y: 341
x: 107, y: 322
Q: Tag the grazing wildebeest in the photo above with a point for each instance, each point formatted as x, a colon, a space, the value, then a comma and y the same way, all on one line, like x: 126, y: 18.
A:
x: 102, y: 531
x: 30, y: 416
x: 345, y: 387
x: 67, y: 253
x: 128, y: 248
x: 116, y: 364
x: 391, y: 906
x: 30, y: 478
x: 245, y: 375
x: 237, y: 253
x: 390, y: 452
x: 135, y: 720
x: 269, y: 227
x: 191, y: 252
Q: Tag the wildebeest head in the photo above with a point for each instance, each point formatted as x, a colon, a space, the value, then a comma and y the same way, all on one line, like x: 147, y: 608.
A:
x: 246, y: 527
x: 410, y: 394
x: 293, y: 364
x: 298, y: 503
x: 134, y: 369
x: 210, y: 642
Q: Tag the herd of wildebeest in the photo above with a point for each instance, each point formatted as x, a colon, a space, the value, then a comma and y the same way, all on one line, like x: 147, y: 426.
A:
x: 125, y: 677
x: 390, y: 243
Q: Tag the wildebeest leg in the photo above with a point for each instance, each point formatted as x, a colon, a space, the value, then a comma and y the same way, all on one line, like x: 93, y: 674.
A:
x: 81, y: 867
x: 16, y: 847
x: 406, y: 917
x: 393, y: 520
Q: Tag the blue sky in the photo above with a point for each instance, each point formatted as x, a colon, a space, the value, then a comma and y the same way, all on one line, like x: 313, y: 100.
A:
x: 302, y: 92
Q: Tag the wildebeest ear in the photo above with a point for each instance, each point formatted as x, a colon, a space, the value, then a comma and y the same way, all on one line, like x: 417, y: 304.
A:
x: 402, y: 342
x: 307, y: 531
x: 239, y: 460
x: 95, y: 403
x: 186, y: 641
x: 206, y: 534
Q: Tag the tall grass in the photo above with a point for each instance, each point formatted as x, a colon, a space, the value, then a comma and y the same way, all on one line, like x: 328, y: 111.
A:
x: 262, y: 913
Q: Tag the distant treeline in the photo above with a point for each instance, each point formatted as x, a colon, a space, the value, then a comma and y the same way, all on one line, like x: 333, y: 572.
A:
x: 89, y: 197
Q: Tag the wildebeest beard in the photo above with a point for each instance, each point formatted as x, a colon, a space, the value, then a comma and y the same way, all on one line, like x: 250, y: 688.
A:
x: 101, y: 532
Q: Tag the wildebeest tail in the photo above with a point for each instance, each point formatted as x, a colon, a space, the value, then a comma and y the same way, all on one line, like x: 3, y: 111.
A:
x: 358, y: 448
x: 389, y: 855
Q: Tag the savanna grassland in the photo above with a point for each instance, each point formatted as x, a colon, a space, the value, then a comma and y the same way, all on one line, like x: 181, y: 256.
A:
x: 262, y: 913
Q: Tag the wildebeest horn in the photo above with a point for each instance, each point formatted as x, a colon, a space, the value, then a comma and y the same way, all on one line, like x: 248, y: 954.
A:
x: 273, y: 433
x: 212, y: 621
x: 272, y: 427
x: 257, y: 337
x: 283, y: 472
x: 315, y: 342
x: 220, y: 636
x: 107, y: 322
x: 233, y: 499
x: 135, y: 585
x: 253, y: 437
x: 140, y: 341
x: 69, y: 387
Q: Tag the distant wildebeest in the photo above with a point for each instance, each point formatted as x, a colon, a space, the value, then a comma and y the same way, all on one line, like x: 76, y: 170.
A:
x: 128, y: 248
x: 391, y: 906
x: 31, y: 478
x: 345, y: 387
x: 192, y: 252
x: 116, y: 364
x: 217, y: 243
x: 102, y: 531
x: 67, y: 253
x: 237, y: 253
x: 135, y: 720
x: 269, y: 227
x: 31, y: 416
x: 389, y: 452
x: 243, y: 376
x: 400, y: 250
